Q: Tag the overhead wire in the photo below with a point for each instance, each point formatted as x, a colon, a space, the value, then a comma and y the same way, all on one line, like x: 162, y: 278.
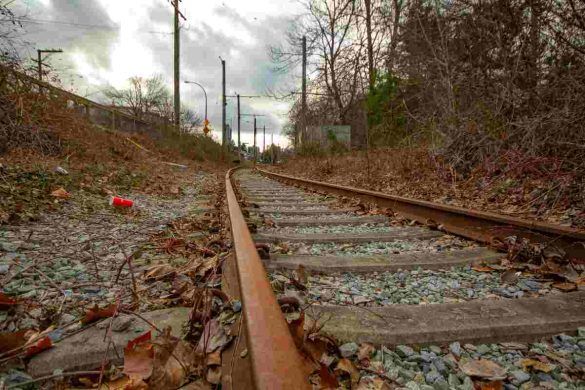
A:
x: 82, y: 25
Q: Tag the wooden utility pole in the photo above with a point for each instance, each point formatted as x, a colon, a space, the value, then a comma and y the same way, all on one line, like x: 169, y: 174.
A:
x: 304, y: 91
x: 239, y: 120
x: 264, y: 140
x: 40, y: 64
x: 177, y: 63
x: 39, y: 60
x: 255, y: 150
x: 223, y: 105
x: 372, y: 78
x: 272, y: 147
x: 372, y: 74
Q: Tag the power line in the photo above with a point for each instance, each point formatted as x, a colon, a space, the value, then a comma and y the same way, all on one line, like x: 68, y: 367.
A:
x: 81, y: 25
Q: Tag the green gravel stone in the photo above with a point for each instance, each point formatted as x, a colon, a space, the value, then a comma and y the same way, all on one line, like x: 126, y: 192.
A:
x: 406, y: 374
x: 453, y: 380
x: 404, y: 351
x: 467, y: 384
x: 412, y: 386
x: 441, y: 384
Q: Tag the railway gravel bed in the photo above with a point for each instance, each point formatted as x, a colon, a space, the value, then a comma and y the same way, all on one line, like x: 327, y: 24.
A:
x: 416, y: 287
x: 413, y: 308
x: 444, y: 243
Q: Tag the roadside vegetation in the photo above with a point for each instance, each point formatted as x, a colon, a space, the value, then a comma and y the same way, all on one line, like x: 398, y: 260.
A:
x: 473, y: 103
x: 46, y: 146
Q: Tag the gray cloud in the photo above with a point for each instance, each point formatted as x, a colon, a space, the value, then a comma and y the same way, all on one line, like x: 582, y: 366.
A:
x: 68, y: 25
x: 248, y: 66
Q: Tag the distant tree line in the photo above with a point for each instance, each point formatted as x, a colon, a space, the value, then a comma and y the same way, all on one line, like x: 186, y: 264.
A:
x: 472, y: 78
x: 150, y: 97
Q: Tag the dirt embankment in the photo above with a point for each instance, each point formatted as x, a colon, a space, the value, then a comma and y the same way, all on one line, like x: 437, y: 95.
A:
x: 530, y: 187
x: 45, y: 146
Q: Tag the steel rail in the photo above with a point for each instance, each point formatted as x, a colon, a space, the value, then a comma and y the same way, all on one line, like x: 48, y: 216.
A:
x: 477, y: 225
x: 276, y: 362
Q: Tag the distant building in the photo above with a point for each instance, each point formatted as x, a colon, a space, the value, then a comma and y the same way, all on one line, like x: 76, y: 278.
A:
x: 326, y: 135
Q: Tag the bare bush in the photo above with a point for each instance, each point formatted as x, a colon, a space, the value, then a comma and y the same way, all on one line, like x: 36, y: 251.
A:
x: 473, y: 80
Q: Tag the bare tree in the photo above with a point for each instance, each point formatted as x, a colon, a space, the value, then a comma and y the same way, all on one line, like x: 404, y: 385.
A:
x: 190, y: 120
x: 144, y: 96
x: 10, y: 28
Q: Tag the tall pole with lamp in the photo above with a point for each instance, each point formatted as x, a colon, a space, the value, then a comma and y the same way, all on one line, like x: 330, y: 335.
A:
x: 206, y: 122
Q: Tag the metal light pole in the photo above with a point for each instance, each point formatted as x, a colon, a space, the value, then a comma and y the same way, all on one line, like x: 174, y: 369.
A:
x: 204, y: 93
x: 223, y: 105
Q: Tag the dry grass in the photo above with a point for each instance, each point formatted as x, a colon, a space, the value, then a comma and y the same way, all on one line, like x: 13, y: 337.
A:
x: 515, y: 184
x: 38, y: 134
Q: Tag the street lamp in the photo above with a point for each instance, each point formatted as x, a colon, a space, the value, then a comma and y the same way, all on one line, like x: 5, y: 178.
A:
x: 204, y: 93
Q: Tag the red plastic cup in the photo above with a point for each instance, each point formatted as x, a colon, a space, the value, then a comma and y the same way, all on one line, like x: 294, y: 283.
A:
x: 120, y: 202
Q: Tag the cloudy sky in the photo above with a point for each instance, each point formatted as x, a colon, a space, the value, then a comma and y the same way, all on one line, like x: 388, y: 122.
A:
x: 107, y: 41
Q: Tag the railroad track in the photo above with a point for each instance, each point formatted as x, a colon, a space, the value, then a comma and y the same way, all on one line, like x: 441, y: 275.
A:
x: 388, y: 281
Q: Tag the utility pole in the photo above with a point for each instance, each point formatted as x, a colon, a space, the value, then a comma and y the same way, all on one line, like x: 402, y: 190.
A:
x: 223, y: 104
x: 264, y: 141
x: 304, y: 89
x: 272, y: 147
x: 239, y: 120
x: 255, y: 150
x: 39, y: 60
x: 177, y: 61
x: 255, y: 129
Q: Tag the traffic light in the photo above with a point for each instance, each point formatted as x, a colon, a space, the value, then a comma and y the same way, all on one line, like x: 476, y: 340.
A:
x: 206, y: 129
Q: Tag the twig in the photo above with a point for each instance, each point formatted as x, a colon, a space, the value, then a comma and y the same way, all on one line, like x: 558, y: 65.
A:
x: 142, y: 318
x: 108, y: 333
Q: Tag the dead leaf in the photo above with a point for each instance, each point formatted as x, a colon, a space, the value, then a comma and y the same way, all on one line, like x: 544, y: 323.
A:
x: 159, y: 272
x: 566, y: 286
x: 328, y: 380
x: 373, y: 384
x: 96, y: 313
x: 213, y: 338
x: 537, y: 365
x: 173, y: 362
x: 6, y: 302
x: 365, y: 351
x: 482, y: 268
x: 510, y: 276
x: 346, y: 366
x: 181, y: 283
x: 483, y: 368
x: 138, y: 357
x: 199, y: 384
x: 213, y: 359
x: 495, y: 385
x: 214, y: 375
x: 316, y: 346
x: 12, y: 340
x: 297, y: 330
x: 124, y: 383
x: 61, y: 193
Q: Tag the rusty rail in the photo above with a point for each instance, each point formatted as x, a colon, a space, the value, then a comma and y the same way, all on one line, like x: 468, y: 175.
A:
x: 276, y: 362
x: 476, y: 225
